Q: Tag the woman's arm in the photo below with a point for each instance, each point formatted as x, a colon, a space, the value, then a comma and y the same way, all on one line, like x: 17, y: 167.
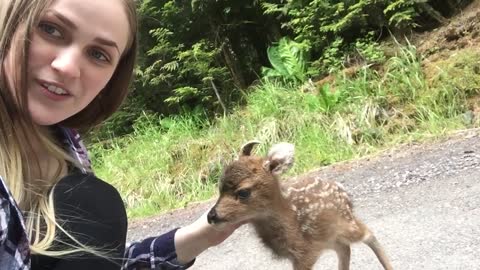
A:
x: 195, y: 238
x: 177, y: 249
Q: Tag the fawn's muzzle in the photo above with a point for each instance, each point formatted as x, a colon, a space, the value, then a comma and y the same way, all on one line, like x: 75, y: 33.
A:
x: 212, y: 216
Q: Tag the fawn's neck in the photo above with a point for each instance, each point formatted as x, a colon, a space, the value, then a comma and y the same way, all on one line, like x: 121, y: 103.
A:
x: 279, y: 228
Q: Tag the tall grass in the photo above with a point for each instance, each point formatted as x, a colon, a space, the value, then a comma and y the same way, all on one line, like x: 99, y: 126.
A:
x: 169, y: 162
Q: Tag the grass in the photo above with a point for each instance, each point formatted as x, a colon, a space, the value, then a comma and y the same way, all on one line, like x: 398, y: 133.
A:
x: 170, y: 162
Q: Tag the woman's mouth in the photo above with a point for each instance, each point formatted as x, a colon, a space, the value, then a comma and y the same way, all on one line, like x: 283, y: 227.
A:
x: 54, y: 92
x: 54, y: 89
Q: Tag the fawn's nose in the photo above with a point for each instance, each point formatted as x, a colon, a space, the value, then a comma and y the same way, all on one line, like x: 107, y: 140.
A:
x: 212, y: 216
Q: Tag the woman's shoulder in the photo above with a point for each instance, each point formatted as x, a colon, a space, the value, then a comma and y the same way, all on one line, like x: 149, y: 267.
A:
x: 91, y: 211
x: 89, y: 198
x: 78, y: 181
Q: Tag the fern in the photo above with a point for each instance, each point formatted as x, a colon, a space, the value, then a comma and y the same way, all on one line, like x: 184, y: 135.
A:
x: 328, y: 98
x: 181, y: 94
x: 402, y: 13
x: 289, y: 61
x: 171, y: 66
x: 270, y: 8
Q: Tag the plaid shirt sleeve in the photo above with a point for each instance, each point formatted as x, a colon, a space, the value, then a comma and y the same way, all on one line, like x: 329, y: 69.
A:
x: 14, y: 246
x: 154, y: 253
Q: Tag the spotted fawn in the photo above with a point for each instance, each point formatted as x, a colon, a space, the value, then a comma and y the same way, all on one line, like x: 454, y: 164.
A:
x: 296, y: 219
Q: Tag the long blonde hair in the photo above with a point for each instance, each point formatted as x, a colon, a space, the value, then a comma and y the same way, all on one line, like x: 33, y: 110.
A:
x: 17, y: 167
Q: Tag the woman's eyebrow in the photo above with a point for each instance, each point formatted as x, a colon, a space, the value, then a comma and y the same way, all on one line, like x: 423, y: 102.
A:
x: 64, y: 19
x: 107, y: 42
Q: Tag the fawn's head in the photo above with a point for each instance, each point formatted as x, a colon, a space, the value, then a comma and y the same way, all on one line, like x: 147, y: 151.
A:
x: 249, y: 186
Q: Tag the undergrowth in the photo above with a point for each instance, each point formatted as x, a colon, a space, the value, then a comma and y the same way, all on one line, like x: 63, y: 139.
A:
x: 169, y: 162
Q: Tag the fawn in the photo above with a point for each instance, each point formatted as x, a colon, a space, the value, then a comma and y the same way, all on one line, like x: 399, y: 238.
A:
x: 296, y: 219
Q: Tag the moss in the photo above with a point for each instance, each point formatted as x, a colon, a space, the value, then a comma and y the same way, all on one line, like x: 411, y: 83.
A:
x: 460, y: 71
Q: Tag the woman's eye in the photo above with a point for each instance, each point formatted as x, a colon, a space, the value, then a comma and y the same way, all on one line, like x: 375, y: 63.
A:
x: 243, y: 194
x: 50, y: 30
x: 98, y: 55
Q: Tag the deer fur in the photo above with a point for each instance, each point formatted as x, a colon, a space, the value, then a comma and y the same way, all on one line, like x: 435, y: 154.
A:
x: 296, y: 219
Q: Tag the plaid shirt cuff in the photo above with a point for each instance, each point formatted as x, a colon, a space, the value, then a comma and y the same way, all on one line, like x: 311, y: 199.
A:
x: 154, y: 253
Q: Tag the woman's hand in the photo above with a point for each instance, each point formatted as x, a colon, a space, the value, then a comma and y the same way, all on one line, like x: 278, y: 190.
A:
x: 195, y: 238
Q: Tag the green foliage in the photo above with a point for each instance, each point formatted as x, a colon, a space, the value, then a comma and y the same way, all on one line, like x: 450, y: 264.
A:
x: 178, y: 159
x: 169, y: 131
x: 369, y: 50
x: 402, y: 13
x: 289, y: 61
x: 328, y: 97
x: 455, y: 80
x: 202, y: 53
x: 178, y: 63
x: 405, y: 75
x: 195, y: 63
x: 452, y: 71
x: 332, y: 59
x: 332, y: 27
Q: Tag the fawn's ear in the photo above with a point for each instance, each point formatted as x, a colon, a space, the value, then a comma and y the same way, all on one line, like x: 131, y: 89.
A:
x: 280, y: 158
x: 246, y: 149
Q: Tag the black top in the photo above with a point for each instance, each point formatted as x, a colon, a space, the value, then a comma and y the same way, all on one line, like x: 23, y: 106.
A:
x: 93, y: 212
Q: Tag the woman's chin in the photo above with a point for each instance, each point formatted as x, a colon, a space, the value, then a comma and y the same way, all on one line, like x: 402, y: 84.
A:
x: 45, y: 121
x: 44, y: 116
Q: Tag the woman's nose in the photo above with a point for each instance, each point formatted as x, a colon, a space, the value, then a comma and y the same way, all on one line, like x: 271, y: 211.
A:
x: 67, y: 62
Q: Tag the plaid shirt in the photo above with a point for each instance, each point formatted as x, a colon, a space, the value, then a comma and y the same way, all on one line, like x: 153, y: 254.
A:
x: 14, y: 251
x: 151, y: 253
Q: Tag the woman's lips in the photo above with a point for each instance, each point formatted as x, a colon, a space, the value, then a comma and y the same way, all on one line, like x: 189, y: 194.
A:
x: 52, y: 95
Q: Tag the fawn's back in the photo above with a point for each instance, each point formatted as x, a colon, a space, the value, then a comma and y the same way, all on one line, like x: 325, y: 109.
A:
x: 324, y: 211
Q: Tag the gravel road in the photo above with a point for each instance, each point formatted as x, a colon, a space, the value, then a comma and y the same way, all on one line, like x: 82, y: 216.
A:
x: 422, y: 202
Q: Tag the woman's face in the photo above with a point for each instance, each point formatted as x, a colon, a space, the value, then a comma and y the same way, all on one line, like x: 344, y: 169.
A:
x: 74, y: 51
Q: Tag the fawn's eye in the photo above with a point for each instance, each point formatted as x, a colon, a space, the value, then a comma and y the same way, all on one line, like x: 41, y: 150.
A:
x: 243, y: 194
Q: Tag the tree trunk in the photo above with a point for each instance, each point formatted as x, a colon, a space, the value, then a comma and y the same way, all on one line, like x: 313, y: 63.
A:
x: 228, y: 54
x: 232, y: 64
x: 434, y: 14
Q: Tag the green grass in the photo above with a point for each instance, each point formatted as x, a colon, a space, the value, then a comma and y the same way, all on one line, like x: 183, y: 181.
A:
x: 170, y: 162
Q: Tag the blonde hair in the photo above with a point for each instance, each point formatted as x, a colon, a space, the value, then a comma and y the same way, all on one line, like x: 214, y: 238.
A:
x: 32, y: 193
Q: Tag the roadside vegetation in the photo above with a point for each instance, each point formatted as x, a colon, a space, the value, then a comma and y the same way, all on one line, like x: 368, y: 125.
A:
x: 360, y: 97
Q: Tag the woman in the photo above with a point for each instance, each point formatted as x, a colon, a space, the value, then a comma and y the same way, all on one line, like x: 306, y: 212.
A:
x: 65, y: 66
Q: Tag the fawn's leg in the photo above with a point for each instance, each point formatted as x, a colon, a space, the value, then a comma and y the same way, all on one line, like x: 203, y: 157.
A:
x: 373, y: 243
x: 343, y: 254
x: 306, y: 261
x: 302, y: 265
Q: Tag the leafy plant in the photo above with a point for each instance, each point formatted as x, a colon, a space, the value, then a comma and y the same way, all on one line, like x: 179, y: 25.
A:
x: 289, y: 61
x: 402, y: 13
x: 328, y: 97
x: 369, y: 49
x: 332, y: 58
